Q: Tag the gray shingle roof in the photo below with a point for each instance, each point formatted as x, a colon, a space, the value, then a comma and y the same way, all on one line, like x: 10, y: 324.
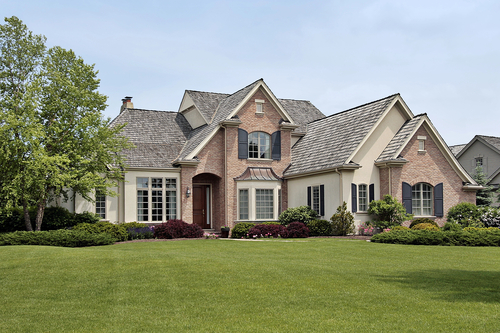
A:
x: 206, y: 102
x: 399, y: 139
x: 302, y: 112
x: 258, y: 173
x: 331, y: 140
x: 158, y: 136
x: 457, y: 148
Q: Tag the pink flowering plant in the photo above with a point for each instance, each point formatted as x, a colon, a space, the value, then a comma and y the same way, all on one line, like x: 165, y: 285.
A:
x: 210, y: 235
x: 365, y: 229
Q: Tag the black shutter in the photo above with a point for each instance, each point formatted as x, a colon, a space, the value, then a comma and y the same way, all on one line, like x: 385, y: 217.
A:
x: 407, y: 197
x: 371, y: 195
x: 242, y: 144
x: 354, y: 198
x: 322, y: 200
x: 276, y: 145
x: 438, y: 200
x: 309, y: 196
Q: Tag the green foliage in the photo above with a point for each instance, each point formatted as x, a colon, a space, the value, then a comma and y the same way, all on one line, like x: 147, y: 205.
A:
x: 65, y: 238
x: 270, y: 223
x: 241, y: 229
x: 119, y: 232
x: 389, y: 212
x: 425, y: 226
x: 85, y: 217
x: 302, y: 214
x: 490, y: 216
x: 483, y: 197
x: 53, y: 136
x: 320, y: 228
x: 342, y: 221
x: 466, y: 214
x: 429, y: 237
x: 399, y: 227
x: 128, y: 225
x: 422, y: 220
x: 450, y: 226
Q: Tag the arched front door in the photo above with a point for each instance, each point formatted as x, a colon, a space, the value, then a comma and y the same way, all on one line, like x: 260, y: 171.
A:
x: 201, y: 205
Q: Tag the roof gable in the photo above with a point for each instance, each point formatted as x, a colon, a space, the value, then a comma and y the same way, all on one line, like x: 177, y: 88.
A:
x: 331, y: 141
x: 491, y: 142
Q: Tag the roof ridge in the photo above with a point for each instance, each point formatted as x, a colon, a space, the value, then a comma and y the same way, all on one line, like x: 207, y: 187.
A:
x: 291, y: 99
x: 488, y: 136
x: 148, y: 110
x: 207, y: 92
x: 356, y: 107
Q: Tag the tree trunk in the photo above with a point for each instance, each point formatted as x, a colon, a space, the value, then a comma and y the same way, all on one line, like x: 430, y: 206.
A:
x: 27, y: 219
x: 39, y: 213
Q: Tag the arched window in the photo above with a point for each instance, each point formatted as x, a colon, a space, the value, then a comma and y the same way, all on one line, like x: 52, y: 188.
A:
x: 422, y: 199
x: 259, y: 145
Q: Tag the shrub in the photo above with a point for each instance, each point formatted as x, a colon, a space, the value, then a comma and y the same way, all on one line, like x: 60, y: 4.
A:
x: 66, y: 238
x: 271, y: 223
x: 342, y: 221
x: 297, y: 230
x: 128, y: 225
x: 140, y: 233
x: 118, y: 232
x: 57, y: 218
x: 422, y: 220
x: 241, y: 229
x: 449, y: 226
x: 427, y: 237
x: 267, y: 231
x: 399, y: 227
x: 320, y: 228
x: 85, y: 217
x: 490, y: 216
x: 389, y: 212
x: 425, y: 226
x: 177, y: 229
x: 466, y: 214
x: 302, y: 214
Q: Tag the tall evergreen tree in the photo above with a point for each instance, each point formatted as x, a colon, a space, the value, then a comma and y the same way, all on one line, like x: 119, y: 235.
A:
x: 484, y: 197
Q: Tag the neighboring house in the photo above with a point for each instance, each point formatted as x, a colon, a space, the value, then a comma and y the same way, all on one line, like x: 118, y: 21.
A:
x: 247, y: 156
x: 483, y: 151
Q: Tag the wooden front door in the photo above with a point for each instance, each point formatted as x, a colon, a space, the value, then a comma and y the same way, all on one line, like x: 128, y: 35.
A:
x: 201, y: 206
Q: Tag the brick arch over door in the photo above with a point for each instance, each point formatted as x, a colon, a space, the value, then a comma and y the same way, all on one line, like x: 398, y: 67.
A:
x: 215, y: 200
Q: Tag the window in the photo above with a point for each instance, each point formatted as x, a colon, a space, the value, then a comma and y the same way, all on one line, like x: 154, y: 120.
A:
x: 243, y: 199
x: 479, y: 161
x: 362, y: 198
x: 100, y: 204
x: 264, y: 204
x: 421, y: 142
x: 421, y: 199
x: 259, y: 145
x: 259, y: 103
x: 156, y: 199
x: 315, y: 198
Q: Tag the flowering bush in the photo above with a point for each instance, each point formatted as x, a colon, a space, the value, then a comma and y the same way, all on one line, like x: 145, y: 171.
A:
x: 267, y: 231
x: 210, y: 235
x: 490, y: 216
x: 365, y: 229
x: 466, y: 214
x: 297, y: 230
x: 140, y: 233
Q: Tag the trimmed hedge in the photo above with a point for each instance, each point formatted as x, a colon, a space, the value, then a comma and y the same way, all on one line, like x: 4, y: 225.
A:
x: 140, y: 233
x: 425, y: 226
x: 241, y: 229
x: 428, y: 237
x: 118, y: 232
x: 320, y: 228
x: 422, y: 220
x: 65, y: 238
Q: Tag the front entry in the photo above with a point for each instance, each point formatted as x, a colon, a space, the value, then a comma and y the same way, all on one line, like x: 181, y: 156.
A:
x: 201, y: 205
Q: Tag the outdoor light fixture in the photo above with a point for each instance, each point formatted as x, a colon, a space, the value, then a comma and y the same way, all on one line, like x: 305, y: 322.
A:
x: 188, y: 192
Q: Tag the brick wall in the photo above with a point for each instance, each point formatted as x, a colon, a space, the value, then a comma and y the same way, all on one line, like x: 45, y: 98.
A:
x: 426, y: 167
x: 212, y: 161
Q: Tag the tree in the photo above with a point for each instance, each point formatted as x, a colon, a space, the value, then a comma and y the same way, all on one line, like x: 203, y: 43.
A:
x: 53, y: 136
x: 389, y: 212
x: 342, y: 221
x: 483, y: 197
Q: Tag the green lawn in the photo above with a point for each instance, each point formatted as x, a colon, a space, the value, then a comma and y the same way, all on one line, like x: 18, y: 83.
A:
x: 311, y: 285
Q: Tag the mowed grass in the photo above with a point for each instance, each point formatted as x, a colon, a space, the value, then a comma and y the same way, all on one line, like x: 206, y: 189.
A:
x: 311, y: 285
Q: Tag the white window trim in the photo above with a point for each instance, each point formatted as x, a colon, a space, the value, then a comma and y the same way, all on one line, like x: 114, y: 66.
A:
x: 421, y: 142
x: 258, y: 147
x: 421, y: 200
x: 164, y: 190
x: 367, y: 190
x: 252, y: 186
x: 259, y: 106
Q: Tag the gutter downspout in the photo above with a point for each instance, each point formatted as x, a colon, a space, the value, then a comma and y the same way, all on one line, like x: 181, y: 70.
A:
x: 390, y: 181
x: 225, y: 177
x: 341, y: 186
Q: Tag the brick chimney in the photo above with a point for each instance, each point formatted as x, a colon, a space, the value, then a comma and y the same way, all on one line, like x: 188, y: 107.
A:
x: 127, y: 103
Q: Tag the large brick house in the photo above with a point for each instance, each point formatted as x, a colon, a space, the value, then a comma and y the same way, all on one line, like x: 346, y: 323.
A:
x: 247, y: 156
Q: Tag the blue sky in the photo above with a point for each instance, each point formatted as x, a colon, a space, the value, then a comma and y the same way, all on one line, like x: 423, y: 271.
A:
x: 442, y: 56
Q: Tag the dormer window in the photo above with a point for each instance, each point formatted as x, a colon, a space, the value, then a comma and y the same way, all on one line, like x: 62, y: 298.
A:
x: 259, y: 145
x: 259, y: 106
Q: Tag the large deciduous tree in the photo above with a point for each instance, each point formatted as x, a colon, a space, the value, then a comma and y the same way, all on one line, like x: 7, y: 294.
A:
x: 53, y: 136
